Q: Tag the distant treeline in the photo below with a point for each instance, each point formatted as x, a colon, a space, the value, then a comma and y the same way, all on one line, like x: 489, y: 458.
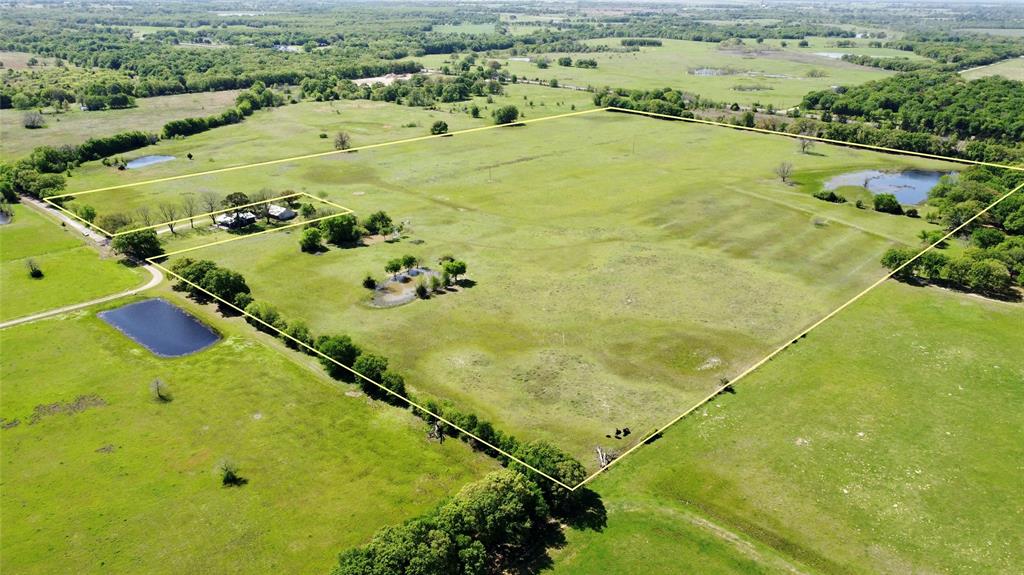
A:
x: 933, y: 102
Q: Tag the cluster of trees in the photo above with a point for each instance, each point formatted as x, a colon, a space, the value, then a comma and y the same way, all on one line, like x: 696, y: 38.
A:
x: 255, y: 98
x: 641, y: 42
x: 580, y: 62
x: 896, y: 64
x: 660, y: 101
x: 994, y: 261
x: 493, y: 525
x: 933, y: 102
x: 345, y: 230
x: 419, y: 90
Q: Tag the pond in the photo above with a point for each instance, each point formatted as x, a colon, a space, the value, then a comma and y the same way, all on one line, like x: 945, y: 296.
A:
x: 147, y: 161
x: 832, y: 55
x: 161, y: 327
x: 909, y: 186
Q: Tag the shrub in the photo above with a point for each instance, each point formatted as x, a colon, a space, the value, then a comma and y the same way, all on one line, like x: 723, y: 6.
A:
x: 34, y: 270
x: 505, y: 115
x: 439, y: 127
x: 340, y: 349
x: 369, y: 282
x: 33, y: 120
x: 830, y: 196
x: 311, y: 240
x: 887, y: 203
x: 422, y: 291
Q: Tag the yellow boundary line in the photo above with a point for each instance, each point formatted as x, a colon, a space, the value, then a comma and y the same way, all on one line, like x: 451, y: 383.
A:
x: 329, y: 153
x: 413, y: 404
x: 800, y: 335
x: 814, y: 138
x: 343, y: 209
x: 317, y: 352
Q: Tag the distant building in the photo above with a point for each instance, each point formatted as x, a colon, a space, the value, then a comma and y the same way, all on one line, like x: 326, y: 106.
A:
x: 280, y: 213
x: 236, y: 220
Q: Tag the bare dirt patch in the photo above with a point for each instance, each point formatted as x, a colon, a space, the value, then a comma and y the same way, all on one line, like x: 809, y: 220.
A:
x: 80, y: 404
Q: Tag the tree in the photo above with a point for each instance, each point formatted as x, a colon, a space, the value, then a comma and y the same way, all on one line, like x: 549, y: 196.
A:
x: 372, y: 367
x: 33, y: 120
x: 439, y: 127
x: 224, y: 284
x: 229, y: 474
x: 896, y: 257
x: 888, y: 203
x: 393, y: 267
x: 784, y: 171
x: 34, y: 271
x: 342, y: 141
x: 235, y: 200
x: 409, y: 261
x: 311, y: 240
x: 341, y: 230
x: 87, y: 213
x: 169, y: 212
x: 987, y: 237
x: 557, y: 464
x: 339, y: 349
x: 267, y: 314
x: 210, y: 203
x: 505, y: 115
x: 378, y: 223
x: 805, y: 145
x: 565, y: 61
x: 113, y: 222
x: 989, y: 276
x: 138, y: 245
x: 455, y: 269
x: 190, y: 206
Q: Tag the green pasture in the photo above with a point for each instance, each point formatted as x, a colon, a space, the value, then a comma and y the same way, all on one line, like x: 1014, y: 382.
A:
x: 75, y: 126
x: 1012, y: 69
x: 623, y: 265
x: 767, y: 74
x: 887, y: 441
x: 73, y: 272
x: 295, y: 130
x: 120, y: 483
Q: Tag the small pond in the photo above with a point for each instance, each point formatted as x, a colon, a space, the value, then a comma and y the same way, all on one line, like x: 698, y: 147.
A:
x: 161, y: 327
x: 909, y: 186
x: 832, y: 55
x: 5, y: 218
x: 147, y: 161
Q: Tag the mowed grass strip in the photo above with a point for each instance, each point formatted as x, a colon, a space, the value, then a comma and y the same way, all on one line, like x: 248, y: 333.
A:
x: 122, y: 483
x: 623, y: 266
x: 72, y: 271
x: 888, y: 441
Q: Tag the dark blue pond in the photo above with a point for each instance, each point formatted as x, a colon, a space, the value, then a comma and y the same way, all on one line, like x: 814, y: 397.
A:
x: 161, y: 327
x: 909, y: 186
x: 147, y: 161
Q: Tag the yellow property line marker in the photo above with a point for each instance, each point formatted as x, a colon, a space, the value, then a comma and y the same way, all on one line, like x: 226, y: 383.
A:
x: 415, y: 405
x: 328, y: 153
x: 317, y: 352
x: 814, y: 138
x: 803, y: 333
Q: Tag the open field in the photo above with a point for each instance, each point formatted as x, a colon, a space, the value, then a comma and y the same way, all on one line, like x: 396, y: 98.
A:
x: 888, y: 441
x: 137, y: 480
x: 781, y: 76
x: 1013, y: 32
x: 19, y: 60
x: 1012, y: 69
x: 75, y: 126
x: 296, y: 129
x: 616, y: 282
x: 73, y: 272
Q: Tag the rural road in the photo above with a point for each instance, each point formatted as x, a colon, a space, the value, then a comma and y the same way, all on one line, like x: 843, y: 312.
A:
x: 156, y: 276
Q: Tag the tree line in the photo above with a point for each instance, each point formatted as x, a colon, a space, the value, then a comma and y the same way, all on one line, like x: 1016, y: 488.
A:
x: 993, y: 261
x: 491, y: 524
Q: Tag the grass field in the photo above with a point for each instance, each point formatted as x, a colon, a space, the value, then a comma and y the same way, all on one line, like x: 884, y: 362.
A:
x: 617, y: 282
x: 887, y: 441
x: 781, y: 76
x: 1012, y: 69
x: 295, y: 130
x: 73, y: 272
x: 125, y: 484
x: 75, y: 126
